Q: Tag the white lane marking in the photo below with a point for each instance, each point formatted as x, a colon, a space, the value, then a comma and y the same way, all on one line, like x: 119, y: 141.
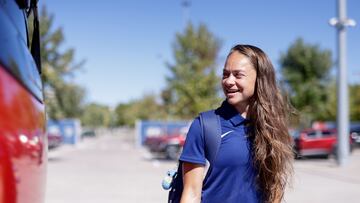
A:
x: 223, y: 135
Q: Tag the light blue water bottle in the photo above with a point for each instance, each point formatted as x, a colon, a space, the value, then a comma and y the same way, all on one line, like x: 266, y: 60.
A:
x: 168, y: 179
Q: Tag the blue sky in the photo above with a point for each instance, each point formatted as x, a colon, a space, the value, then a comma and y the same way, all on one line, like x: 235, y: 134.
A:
x: 126, y: 42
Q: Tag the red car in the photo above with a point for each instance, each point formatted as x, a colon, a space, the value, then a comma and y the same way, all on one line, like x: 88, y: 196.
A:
x: 169, y: 145
x: 23, y: 144
x: 316, y: 142
x: 54, y: 140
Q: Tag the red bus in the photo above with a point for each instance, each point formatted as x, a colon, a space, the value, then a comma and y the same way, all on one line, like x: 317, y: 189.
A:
x: 23, y: 142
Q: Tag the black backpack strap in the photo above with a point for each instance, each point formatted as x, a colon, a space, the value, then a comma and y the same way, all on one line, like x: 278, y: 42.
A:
x: 211, y: 130
x: 177, y: 186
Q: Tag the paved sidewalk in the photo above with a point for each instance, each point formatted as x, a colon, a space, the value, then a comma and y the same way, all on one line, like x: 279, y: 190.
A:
x: 321, y: 180
x: 109, y: 169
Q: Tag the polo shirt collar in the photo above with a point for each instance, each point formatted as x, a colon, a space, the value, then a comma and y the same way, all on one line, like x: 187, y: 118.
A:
x: 230, y: 113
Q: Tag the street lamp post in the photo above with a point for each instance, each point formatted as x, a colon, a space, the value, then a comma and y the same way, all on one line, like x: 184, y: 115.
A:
x: 186, y: 16
x: 340, y: 24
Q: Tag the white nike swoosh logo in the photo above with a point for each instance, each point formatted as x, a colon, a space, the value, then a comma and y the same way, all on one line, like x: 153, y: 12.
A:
x: 223, y: 135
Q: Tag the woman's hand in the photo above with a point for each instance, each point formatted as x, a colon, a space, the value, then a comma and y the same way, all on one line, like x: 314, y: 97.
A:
x: 193, y: 176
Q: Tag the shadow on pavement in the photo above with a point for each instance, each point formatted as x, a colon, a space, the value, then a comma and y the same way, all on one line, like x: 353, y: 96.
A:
x: 54, y: 159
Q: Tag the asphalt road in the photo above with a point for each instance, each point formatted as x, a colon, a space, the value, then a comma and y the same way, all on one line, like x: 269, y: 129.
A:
x: 110, y: 169
x: 105, y: 170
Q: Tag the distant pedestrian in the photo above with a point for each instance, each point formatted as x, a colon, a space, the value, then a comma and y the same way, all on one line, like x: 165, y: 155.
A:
x: 254, y: 160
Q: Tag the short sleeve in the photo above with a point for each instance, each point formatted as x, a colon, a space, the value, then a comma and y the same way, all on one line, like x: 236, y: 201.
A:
x: 193, y: 150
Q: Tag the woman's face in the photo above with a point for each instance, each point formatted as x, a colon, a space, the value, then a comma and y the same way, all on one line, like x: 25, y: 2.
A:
x: 238, y: 82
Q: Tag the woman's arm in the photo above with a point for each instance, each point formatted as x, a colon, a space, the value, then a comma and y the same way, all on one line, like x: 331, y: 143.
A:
x: 193, y: 175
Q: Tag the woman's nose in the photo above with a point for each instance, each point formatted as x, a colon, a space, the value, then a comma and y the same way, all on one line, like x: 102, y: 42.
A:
x: 230, y: 80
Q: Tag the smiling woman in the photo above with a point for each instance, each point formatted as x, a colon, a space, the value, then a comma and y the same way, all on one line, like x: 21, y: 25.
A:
x: 238, y: 82
x: 254, y: 160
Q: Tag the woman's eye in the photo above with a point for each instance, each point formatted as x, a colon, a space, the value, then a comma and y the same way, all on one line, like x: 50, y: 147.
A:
x: 238, y: 75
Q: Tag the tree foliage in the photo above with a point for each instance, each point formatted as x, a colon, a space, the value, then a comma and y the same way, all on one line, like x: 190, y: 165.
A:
x: 306, y: 76
x: 64, y: 99
x: 354, y: 93
x: 96, y: 115
x: 192, y: 85
x: 145, y: 108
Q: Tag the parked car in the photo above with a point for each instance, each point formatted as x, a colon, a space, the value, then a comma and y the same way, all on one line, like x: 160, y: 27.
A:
x: 88, y: 133
x: 316, y: 142
x: 355, y: 135
x: 54, y: 140
x: 23, y: 143
x: 54, y: 137
x: 169, y: 145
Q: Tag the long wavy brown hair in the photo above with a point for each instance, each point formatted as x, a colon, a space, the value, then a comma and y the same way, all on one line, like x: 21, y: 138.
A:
x: 268, y: 112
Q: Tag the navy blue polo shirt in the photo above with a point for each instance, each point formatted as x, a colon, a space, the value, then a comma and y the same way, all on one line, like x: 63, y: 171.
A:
x: 232, y: 177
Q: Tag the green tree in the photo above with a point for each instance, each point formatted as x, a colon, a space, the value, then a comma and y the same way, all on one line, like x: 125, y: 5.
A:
x: 354, y: 93
x: 354, y: 100
x: 192, y: 86
x: 62, y: 97
x: 331, y: 104
x: 306, y: 75
x: 146, y: 108
x: 121, y: 115
x: 96, y: 115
